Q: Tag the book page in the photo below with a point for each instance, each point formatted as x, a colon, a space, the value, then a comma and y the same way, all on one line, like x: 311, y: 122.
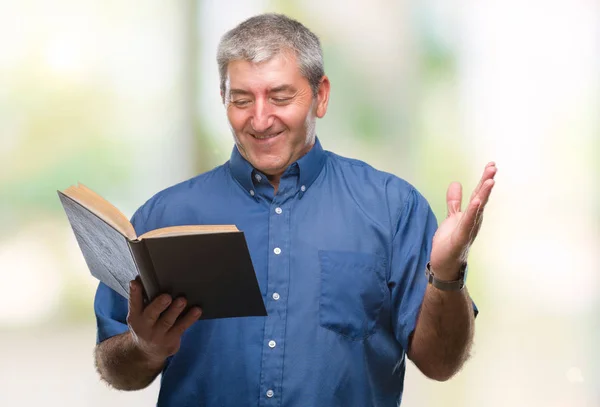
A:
x: 102, y: 208
x: 104, y: 248
x: 188, y: 230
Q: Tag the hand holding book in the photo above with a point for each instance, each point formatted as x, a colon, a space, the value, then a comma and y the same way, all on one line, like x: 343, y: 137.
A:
x: 208, y: 265
x: 157, y: 327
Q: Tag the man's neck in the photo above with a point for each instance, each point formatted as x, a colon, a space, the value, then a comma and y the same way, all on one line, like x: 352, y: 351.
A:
x: 274, y: 180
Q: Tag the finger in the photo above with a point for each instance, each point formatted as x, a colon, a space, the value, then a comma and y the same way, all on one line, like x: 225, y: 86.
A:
x: 488, y: 173
x: 468, y: 220
x: 454, y: 198
x: 483, y: 196
x: 486, y: 191
x: 136, y: 300
x: 156, y: 307
x: 169, y: 317
x: 186, y: 321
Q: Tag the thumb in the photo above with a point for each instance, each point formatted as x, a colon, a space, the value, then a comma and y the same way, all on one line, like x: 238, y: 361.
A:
x: 454, y: 198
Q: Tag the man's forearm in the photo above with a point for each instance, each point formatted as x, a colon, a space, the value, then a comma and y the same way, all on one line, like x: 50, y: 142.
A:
x: 123, y: 365
x: 444, y: 333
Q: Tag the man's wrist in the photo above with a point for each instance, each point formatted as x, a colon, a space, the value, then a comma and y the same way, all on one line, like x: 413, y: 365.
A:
x: 448, y: 271
x: 453, y: 284
x: 147, y: 357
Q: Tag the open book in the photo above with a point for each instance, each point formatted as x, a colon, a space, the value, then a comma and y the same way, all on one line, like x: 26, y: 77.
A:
x: 208, y: 265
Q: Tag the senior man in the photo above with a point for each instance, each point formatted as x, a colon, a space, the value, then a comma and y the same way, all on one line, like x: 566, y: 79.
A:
x: 353, y: 273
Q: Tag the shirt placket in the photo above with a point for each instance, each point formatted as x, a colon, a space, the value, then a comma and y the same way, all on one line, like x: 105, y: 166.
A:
x: 276, y: 302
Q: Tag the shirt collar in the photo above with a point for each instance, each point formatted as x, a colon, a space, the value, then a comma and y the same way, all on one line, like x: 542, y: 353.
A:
x: 241, y: 169
x: 310, y: 166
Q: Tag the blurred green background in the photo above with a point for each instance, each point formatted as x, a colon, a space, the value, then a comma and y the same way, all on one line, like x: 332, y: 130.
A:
x: 124, y: 97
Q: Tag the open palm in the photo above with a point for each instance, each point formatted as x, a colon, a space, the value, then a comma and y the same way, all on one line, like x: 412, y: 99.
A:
x: 457, y: 232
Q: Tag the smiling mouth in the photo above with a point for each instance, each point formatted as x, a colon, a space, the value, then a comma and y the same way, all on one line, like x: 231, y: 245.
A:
x: 266, y: 136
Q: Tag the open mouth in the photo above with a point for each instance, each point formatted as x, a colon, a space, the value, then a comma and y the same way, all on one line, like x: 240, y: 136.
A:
x: 266, y: 136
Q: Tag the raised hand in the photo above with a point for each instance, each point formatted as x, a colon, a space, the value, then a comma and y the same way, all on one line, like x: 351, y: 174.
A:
x: 156, y: 329
x: 458, y: 231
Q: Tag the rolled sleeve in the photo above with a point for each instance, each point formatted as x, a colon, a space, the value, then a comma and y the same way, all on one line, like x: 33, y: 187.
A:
x: 411, y: 249
x: 111, y: 313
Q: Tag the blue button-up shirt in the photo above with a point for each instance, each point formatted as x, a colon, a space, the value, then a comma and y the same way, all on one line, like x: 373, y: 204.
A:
x: 339, y: 254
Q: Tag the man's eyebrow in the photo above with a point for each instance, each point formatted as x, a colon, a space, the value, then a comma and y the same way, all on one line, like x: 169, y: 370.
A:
x: 239, y: 92
x: 283, y: 88
x: 280, y: 88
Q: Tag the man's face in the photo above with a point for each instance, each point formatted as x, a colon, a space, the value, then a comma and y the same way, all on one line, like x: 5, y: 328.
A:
x: 272, y: 111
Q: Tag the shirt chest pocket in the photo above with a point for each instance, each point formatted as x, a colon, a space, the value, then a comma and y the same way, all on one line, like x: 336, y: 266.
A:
x: 352, y: 292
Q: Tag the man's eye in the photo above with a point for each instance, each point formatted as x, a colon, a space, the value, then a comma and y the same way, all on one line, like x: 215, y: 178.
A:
x: 241, y: 102
x: 281, y: 100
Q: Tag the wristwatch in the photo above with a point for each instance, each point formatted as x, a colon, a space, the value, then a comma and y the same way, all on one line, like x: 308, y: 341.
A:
x: 455, y: 285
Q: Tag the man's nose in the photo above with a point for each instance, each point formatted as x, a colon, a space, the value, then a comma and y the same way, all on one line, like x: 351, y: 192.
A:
x: 262, y: 118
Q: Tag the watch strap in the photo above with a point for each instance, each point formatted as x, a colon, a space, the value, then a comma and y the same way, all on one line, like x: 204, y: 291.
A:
x: 455, y: 285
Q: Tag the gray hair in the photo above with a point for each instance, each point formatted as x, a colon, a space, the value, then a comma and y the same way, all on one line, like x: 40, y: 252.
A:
x: 262, y: 37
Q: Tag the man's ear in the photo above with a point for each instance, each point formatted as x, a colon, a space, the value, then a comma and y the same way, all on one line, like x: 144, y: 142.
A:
x: 323, y: 96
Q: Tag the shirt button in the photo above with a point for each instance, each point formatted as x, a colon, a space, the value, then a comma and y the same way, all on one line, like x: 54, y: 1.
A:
x: 270, y: 393
x: 277, y: 250
x: 258, y: 177
x: 252, y: 192
x: 275, y: 296
x: 302, y: 188
x: 278, y: 211
x: 272, y: 344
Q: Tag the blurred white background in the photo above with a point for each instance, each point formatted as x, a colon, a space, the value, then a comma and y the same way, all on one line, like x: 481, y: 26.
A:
x: 124, y: 97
